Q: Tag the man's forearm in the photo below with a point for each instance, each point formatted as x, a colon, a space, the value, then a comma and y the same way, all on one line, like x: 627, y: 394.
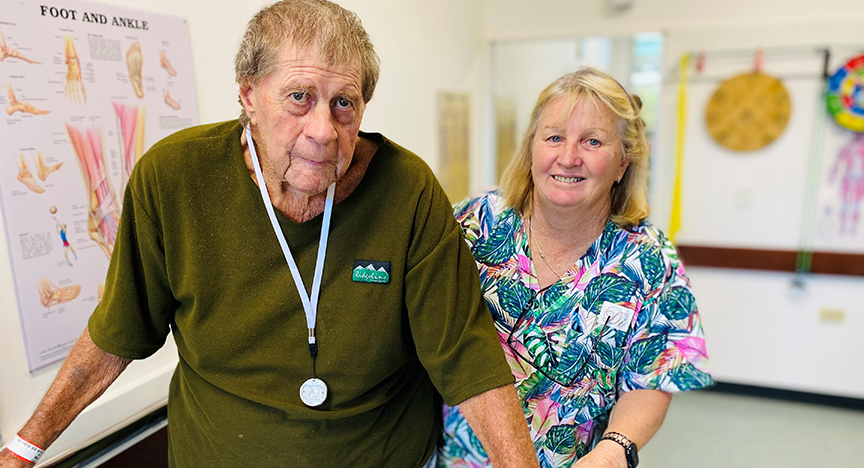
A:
x: 497, y: 419
x: 86, y: 374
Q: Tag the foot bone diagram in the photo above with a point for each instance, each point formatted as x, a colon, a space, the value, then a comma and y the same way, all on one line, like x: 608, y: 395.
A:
x: 134, y: 60
x: 26, y: 178
x: 20, y: 106
x: 75, y: 91
x: 163, y: 60
x: 51, y: 294
x: 7, y: 52
x: 171, y: 102
x: 103, y: 212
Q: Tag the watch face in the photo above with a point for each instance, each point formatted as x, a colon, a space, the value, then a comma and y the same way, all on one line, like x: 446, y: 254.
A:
x: 632, y: 456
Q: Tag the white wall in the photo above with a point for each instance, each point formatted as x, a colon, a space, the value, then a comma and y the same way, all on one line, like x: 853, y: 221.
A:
x: 518, y: 19
x: 425, y: 47
x: 761, y: 330
x: 521, y: 70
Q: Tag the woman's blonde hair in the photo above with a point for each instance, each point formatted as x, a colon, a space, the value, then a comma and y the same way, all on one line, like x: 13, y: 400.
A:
x: 336, y: 33
x: 630, y: 195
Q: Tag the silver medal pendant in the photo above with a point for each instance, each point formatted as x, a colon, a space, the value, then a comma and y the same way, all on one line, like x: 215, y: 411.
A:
x: 313, y: 392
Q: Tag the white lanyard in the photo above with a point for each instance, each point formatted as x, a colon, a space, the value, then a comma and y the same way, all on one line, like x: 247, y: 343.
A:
x: 310, y: 305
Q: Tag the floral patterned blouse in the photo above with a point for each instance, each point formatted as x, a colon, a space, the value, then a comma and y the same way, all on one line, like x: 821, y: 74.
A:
x: 622, y: 318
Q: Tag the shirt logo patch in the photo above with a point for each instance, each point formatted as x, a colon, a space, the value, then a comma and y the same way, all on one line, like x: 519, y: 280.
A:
x: 371, y: 271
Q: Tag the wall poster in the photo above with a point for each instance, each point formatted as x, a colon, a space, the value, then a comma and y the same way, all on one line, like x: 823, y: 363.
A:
x: 453, y: 143
x: 840, y: 197
x: 505, y: 134
x: 87, y: 89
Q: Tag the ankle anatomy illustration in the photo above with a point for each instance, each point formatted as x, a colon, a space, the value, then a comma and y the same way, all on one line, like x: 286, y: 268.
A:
x: 103, y: 211
x: 20, y: 106
x: 26, y: 177
x: 163, y: 60
x: 8, y: 52
x: 50, y: 294
x: 171, y: 102
x: 42, y: 169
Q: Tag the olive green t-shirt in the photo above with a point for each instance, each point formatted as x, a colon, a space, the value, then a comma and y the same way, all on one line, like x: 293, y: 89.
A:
x: 196, y: 255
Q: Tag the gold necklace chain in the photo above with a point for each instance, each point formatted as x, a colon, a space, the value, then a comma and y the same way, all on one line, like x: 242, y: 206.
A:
x: 539, y: 250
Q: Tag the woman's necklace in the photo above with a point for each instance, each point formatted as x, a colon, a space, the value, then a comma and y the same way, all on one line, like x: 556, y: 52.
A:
x: 539, y: 250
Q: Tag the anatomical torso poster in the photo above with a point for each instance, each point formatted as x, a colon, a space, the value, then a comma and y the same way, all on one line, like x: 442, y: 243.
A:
x: 87, y: 89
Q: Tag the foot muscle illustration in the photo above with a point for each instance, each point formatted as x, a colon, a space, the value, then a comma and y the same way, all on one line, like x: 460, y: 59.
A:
x: 132, y: 136
x: 103, y: 212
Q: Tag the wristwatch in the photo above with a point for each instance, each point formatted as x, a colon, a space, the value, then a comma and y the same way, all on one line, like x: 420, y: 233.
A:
x: 629, y: 447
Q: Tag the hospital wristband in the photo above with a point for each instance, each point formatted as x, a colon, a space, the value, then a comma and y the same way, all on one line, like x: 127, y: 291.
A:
x: 24, y: 450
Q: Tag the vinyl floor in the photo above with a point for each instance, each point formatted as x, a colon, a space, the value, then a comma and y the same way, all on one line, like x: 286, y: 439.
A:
x: 708, y: 430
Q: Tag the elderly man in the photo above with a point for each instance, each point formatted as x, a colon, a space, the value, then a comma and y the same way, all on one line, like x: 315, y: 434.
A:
x: 286, y: 360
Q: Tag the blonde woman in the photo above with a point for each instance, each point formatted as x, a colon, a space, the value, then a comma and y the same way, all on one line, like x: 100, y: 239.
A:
x: 590, y: 301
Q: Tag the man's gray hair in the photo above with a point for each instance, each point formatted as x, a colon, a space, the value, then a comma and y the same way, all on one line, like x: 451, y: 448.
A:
x: 334, y: 32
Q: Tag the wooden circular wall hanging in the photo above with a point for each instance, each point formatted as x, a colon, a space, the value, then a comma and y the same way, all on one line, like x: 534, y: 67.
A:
x: 748, y: 112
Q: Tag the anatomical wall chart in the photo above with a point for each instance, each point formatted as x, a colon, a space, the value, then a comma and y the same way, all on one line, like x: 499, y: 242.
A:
x: 87, y: 89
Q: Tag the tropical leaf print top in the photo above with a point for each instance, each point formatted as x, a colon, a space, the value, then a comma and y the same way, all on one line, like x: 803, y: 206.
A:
x: 622, y: 318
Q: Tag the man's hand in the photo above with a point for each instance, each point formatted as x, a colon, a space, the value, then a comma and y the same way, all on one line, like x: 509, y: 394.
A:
x: 86, y: 374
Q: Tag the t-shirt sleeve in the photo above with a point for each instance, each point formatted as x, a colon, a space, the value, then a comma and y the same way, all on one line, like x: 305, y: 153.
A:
x: 450, y: 323
x: 667, y: 348
x: 133, y: 319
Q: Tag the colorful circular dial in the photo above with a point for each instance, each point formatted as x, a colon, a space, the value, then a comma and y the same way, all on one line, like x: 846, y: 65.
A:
x: 846, y: 95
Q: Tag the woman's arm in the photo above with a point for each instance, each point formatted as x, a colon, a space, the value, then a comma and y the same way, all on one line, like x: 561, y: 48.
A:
x: 637, y: 415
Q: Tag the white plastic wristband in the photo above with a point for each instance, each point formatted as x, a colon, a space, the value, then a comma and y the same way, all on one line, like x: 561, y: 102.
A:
x: 24, y: 450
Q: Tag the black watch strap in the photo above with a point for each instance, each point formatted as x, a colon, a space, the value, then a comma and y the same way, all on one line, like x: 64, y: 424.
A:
x: 629, y: 447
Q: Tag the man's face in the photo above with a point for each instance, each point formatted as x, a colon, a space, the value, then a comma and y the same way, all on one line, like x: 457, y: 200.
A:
x: 305, y: 117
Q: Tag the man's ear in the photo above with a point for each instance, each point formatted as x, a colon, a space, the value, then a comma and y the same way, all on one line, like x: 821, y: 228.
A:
x: 246, y: 99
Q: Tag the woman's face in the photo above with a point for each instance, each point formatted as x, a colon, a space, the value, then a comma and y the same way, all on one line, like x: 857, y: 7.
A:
x: 577, y: 157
